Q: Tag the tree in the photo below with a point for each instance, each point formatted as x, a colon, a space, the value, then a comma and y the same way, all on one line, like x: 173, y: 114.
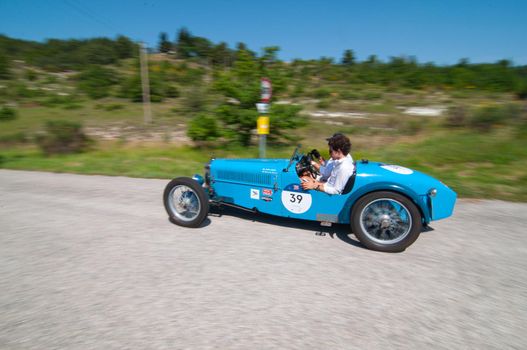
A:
x: 164, y: 45
x: 270, y: 54
x: 184, y: 45
x: 125, y: 48
x: 242, y: 47
x: 372, y: 60
x: 348, y: 58
x: 221, y: 55
x: 202, y: 47
x: 241, y: 88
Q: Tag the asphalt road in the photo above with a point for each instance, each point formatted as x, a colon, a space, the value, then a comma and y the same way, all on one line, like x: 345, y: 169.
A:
x: 92, y: 262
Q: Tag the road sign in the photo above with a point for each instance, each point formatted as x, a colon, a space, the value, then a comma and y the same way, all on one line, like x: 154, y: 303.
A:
x: 263, y: 125
x: 262, y: 108
x: 266, y: 90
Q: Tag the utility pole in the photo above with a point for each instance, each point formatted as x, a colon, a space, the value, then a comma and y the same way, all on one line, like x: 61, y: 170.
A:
x: 145, y: 82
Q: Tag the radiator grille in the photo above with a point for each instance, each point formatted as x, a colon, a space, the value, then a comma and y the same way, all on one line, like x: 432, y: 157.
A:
x: 250, y: 178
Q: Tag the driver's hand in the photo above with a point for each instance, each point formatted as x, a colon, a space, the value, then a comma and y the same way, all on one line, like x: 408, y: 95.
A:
x: 308, y: 183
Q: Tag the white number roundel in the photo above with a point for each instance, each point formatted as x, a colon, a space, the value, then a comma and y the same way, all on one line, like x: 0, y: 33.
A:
x: 397, y: 169
x: 296, y: 202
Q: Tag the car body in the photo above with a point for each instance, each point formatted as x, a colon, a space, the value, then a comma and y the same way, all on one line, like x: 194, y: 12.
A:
x: 273, y: 186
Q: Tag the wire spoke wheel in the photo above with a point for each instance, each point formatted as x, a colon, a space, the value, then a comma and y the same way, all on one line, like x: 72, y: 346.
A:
x: 186, y: 202
x: 386, y: 221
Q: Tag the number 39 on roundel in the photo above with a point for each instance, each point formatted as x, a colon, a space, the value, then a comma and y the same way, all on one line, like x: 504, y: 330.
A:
x: 296, y: 202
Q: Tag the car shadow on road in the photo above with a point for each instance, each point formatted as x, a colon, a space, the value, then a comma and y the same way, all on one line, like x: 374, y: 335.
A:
x: 340, y: 231
x: 205, y: 222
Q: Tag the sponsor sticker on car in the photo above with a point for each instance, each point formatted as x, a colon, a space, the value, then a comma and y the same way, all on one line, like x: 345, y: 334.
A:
x: 255, y: 193
x: 267, y: 192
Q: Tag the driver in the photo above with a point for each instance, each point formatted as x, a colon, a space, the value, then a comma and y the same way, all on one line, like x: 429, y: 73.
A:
x: 334, y: 173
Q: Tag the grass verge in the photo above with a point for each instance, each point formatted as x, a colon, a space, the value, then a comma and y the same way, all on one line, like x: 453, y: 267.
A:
x: 490, y: 165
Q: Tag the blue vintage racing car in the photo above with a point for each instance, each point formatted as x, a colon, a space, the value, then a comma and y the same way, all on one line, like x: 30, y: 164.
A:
x: 386, y: 205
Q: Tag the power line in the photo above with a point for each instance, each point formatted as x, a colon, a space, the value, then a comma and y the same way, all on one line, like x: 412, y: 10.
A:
x: 88, y: 13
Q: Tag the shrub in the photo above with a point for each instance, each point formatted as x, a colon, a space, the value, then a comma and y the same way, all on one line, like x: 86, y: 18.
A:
x: 96, y: 81
x: 194, y: 100
x: 349, y: 95
x: 31, y: 75
x: 323, y: 104
x: 413, y: 126
x: 61, y: 137
x: 486, y: 118
x: 7, y: 113
x: 113, y: 107
x: 58, y: 100
x: 457, y: 117
x: 298, y: 90
x: 521, y: 90
x: 372, y: 95
x: 16, y: 138
x: 203, y: 128
x: 132, y: 89
x: 4, y: 67
x: 171, y: 91
x: 19, y: 90
x: 321, y: 93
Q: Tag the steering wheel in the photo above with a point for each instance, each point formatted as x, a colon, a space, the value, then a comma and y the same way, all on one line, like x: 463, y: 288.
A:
x: 304, y: 165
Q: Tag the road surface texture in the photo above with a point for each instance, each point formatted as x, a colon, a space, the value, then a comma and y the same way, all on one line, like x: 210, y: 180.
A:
x: 92, y: 262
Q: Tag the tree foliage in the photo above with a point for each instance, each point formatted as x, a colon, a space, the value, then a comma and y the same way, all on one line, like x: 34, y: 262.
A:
x: 96, y: 81
x: 164, y: 45
x: 58, y: 55
x: 348, y: 58
x: 240, y: 87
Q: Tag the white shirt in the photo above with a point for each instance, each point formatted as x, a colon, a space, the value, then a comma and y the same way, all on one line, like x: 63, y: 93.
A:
x: 336, y: 173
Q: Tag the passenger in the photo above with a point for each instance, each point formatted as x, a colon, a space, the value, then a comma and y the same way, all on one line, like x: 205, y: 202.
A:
x: 334, y: 173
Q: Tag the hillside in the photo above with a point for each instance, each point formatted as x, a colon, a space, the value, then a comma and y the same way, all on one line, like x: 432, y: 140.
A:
x: 465, y: 124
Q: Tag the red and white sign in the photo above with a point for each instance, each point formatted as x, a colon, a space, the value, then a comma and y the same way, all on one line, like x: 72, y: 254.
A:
x: 266, y: 90
x: 267, y: 192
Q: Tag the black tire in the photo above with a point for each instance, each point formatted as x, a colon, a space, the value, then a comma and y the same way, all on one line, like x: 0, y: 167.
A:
x: 386, y: 221
x: 193, y: 203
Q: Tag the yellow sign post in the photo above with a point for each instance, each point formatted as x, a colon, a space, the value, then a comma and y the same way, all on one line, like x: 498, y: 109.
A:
x: 263, y: 125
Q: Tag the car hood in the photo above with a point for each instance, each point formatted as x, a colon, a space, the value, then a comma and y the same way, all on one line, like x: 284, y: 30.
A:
x: 264, y: 172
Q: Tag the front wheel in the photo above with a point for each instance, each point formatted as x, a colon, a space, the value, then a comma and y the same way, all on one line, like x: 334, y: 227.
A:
x: 386, y: 221
x: 186, y: 202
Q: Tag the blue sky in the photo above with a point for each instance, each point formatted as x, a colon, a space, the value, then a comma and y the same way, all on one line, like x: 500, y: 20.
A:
x: 440, y: 31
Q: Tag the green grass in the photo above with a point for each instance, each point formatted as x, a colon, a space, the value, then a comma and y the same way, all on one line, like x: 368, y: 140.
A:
x: 147, y: 162
x: 492, y: 165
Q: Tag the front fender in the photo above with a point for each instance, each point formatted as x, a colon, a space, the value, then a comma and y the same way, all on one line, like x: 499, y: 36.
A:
x: 421, y: 201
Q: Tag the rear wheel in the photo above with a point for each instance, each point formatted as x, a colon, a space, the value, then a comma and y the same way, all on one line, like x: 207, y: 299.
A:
x: 386, y: 221
x: 186, y: 202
